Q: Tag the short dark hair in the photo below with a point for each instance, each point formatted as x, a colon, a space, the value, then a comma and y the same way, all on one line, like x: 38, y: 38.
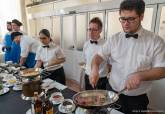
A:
x: 97, y: 21
x: 137, y: 5
x: 8, y: 22
x: 14, y: 34
x: 18, y: 23
x: 45, y: 32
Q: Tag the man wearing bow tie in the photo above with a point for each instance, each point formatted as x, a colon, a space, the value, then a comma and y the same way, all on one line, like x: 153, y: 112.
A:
x: 51, y: 57
x: 137, y: 57
x: 91, y: 47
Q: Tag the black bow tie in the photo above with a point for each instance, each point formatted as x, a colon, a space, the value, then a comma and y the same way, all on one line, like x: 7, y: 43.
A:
x: 131, y: 35
x: 93, y: 42
x: 47, y: 46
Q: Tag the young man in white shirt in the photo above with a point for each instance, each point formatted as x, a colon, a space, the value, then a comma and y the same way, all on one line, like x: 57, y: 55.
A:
x: 137, y: 58
x: 28, y: 48
x: 91, y: 47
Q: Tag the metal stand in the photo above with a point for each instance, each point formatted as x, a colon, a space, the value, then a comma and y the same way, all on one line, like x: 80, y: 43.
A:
x: 30, y: 98
x: 25, y: 98
x: 30, y: 111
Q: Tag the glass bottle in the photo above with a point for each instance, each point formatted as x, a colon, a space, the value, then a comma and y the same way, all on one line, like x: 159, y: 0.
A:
x: 47, y: 106
x: 37, y: 104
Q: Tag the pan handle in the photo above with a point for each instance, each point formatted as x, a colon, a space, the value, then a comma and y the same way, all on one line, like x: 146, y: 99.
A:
x: 113, y: 106
x: 122, y: 91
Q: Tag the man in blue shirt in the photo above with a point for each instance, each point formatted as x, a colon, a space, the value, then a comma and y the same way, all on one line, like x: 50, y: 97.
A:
x: 7, y: 43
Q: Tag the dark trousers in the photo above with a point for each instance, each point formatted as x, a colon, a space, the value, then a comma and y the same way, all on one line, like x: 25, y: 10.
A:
x: 132, y: 104
x: 57, y: 75
x: 100, y: 85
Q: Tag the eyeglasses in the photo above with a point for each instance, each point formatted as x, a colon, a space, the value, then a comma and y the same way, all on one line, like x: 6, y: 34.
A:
x: 128, y: 19
x: 92, y: 30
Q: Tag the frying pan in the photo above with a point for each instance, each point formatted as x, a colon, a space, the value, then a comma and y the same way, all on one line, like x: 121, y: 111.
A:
x: 30, y: 73
x: 91, y: 99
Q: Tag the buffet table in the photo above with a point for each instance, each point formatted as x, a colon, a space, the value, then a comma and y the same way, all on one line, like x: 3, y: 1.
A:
x: 12, y: 103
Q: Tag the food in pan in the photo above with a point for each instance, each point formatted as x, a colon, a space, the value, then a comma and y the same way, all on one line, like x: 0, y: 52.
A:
x: 91, y: 99
x: 29, y: 73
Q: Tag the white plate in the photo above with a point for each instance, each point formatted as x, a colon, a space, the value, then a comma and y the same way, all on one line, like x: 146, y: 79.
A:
x: 56, y: 101
x: 3, y: 64
x: 8, y: 85
x: 4, y: 90
x: 17, y: 88
x: 65, y: 111
x: 3, y: 75
x: 9, y: 77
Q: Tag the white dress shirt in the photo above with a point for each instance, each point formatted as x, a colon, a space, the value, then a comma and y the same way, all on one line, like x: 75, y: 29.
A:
x: 129, y: 55
x: 47, y: 54
x: 89, y: 51
x: 28, y: 44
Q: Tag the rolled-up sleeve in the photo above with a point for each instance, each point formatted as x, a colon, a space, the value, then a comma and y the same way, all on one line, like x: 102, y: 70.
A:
x: 159, y: 54
x: 59, y: 53
x: 24, y: 47
x: 38, y: 54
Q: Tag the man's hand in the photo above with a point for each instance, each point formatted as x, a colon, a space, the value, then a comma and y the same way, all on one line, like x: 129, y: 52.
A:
x: 93, y: 78
x: 133, y: 81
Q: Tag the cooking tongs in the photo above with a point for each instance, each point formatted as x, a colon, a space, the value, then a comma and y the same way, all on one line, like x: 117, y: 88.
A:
x: 43, y: 72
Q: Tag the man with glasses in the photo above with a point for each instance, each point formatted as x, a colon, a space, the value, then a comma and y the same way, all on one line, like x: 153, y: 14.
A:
x: 137, y: 58
x: 91, y: 47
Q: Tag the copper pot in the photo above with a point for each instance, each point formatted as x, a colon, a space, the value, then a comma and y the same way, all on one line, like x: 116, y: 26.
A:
x: 31, y: 82
x: 28, y: 88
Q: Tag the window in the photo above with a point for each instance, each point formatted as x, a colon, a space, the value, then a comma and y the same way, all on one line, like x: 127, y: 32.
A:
x: 40, y: 25
x: 32, y: 28
x: 56, y: 32
x: 162, y: 23
x: 113, y: 25
x: 68, y: 32
x: 81, y: 26
x: 47, y: 24
x: 148, y: 16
